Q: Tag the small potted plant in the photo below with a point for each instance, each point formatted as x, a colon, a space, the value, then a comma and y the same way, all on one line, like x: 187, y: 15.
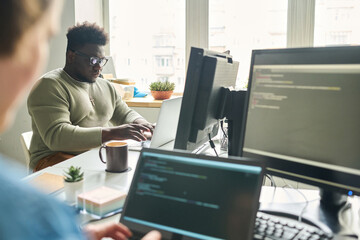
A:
x: 73, y: 182
x: 162, y: 90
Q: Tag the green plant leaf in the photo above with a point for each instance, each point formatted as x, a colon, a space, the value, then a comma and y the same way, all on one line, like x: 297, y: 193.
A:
x: 73, y: 174
x: 162, y: 86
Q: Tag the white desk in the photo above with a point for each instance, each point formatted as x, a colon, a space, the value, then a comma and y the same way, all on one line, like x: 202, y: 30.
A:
x: 95, y: 175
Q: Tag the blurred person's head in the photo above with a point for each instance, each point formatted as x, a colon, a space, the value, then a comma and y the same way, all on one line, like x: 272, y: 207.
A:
x: 85, y: 54
x: 26, y: 27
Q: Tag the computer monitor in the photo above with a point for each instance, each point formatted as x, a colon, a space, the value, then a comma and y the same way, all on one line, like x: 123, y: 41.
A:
x: 303, y: 117
x: 207, y: 73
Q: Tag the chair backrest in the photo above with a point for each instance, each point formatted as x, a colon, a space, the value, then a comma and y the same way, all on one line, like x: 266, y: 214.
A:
x: 25, y: 140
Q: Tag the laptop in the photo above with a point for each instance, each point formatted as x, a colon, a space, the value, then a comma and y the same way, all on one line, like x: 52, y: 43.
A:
x: 189, y: 196
x: 165, y: 129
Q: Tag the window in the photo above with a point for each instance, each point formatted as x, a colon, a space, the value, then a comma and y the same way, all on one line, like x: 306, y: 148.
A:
x: 152, y: 33
x: 337, y: 22
x: 146, y: 39
x: 241, y: 25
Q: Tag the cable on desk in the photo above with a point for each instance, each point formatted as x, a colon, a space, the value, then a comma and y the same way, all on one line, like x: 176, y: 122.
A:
x: 224, y: 140
x: 272, y: 182
x: 222, y: 128
x: 303, y: 195
x: 264, y: 181
x: 212, y: 145
x: 275, y: 187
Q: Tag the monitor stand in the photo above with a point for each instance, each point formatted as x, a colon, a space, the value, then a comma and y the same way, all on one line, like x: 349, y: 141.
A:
x: 332, y: 201
x: 232, y: 107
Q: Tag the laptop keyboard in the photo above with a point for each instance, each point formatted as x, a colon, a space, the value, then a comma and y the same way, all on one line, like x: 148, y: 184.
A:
x: 274, y: 227
x: 137, y: 146
x: 270, y: 227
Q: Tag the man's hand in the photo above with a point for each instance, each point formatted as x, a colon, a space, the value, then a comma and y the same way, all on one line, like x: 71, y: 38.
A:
x: 145, y: 123
x: 153, y: 235
x: 139, y: 130
x: 115, y: 231
x: 126, y: 131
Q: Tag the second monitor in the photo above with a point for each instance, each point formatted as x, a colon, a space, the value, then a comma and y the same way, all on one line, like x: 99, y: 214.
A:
x: 207, y: 73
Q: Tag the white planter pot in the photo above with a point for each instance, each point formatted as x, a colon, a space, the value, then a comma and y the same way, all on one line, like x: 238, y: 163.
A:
x: 72, y: 189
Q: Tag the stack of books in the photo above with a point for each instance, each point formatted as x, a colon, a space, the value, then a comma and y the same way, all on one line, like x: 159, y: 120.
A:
x: 101, y: 201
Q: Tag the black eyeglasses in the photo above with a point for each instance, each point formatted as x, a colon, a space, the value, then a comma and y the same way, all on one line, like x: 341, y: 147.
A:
x: 93, y: 60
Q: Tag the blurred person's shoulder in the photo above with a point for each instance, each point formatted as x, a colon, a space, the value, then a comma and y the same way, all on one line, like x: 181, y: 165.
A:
x: 27, y: 213
x: 13, y: 185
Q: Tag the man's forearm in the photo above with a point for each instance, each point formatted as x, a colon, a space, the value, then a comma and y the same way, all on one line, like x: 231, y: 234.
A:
x: 105, y: 135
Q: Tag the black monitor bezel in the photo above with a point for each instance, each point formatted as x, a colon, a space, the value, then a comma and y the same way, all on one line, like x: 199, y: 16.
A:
x: 293, y: 170
x: 191, y: 133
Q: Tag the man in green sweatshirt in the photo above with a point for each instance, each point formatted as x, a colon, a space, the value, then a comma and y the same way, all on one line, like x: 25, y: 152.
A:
x: 73, y: 110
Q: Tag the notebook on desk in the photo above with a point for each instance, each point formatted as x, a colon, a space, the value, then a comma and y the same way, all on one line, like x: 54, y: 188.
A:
x: 188, y: 196
x: 165, y: 129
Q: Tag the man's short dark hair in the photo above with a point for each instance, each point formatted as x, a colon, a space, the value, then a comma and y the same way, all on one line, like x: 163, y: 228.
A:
x: 85, y: 33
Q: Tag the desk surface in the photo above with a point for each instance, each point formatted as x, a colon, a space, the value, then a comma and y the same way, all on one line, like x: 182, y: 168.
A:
x: 94, y: 171
x: 279, y: 198
x: 94, y: 176
x: 147, y: 102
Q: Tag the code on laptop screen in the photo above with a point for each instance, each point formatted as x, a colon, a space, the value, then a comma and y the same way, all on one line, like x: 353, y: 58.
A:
x: 196, y: 197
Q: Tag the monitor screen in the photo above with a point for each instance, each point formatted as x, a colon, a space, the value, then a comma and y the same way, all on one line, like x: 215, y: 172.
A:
x: 198, y: 196
x: 303, y: 115
x: 207, y: 72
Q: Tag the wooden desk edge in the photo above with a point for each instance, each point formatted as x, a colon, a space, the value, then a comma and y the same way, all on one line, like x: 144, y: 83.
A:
x: 147, y: 102
x: 144, y: 103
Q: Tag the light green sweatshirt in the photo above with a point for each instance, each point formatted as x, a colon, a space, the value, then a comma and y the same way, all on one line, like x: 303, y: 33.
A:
x: 68, y: 115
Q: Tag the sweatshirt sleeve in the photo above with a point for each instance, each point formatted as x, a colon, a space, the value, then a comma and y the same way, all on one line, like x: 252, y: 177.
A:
x: 48, y: 105
x: 123, y: 114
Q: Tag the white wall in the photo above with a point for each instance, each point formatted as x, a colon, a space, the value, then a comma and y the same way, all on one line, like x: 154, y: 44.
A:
x: 89, y: 10
x: 10, y: 140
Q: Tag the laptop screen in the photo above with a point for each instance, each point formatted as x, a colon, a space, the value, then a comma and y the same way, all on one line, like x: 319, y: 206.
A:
x: 164, y: 134
x: 193, y: 196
